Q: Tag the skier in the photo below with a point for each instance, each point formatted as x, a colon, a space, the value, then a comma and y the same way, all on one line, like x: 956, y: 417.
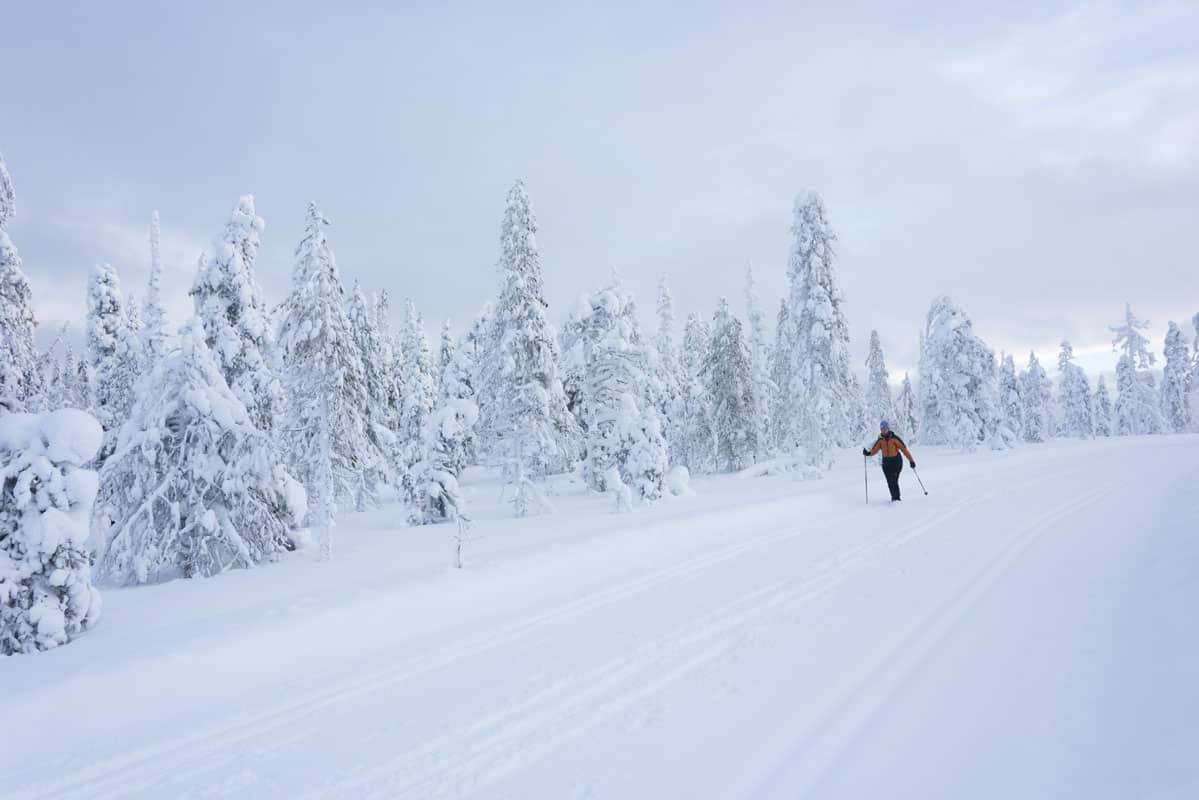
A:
x: 892, y: 446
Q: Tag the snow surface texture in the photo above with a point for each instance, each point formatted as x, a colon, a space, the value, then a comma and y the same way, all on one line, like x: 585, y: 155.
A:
x: 46, y: 594
x: 1025, y: 631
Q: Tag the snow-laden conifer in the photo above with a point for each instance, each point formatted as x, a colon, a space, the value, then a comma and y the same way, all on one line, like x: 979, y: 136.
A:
x: 438, y: 496
x: 445, y: 353
x: 1138, y: 404
x: 108, y: 343
x: 153, y: 315
x: 192, y: 488
x: 420, y: 389
x: 46, y: 592
x: 1176, y: 408
x: 693, y: 430
x: 816, y: 405
x: 605, y: 358
x: 475, y: 345
x: 8, y: 195
x: 641, y: 454
x: 1011, y: 396
x: 1193, y: 377
x: 20, y: 369
x: 376, y: 470
x: 61, y: 374
x: 392, y: 370
x: 1104, y: 424
x: 51, y: 374
x: 229, y: 302
x: 667, y: 352
x: 959, y: 394
x: 906, y: 422
x: 524, y: 421
x: 764, y: 391
x: 879, y: 405
x: 728, y: 376
x: 1076, y: 416
x: 1036, y: 390
x: 324, y: 428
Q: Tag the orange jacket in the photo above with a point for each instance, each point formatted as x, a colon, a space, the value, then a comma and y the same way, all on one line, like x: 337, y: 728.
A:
x: 891, y: 445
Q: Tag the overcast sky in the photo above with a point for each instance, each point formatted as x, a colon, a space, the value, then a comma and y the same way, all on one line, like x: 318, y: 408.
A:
x: 1037, y: 162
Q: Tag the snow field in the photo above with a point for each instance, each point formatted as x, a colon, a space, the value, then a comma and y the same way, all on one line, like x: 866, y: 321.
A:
x: 1022, y: 631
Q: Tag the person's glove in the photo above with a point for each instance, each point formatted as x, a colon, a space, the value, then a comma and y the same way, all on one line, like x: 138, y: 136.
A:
x: 912, y: 464
x: 865, y: 452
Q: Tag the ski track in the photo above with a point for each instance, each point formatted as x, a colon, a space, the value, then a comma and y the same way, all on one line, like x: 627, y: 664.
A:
x: 816, y: 744
x: 118, y: 777
x: 469, y: 758
x: 466, y: 760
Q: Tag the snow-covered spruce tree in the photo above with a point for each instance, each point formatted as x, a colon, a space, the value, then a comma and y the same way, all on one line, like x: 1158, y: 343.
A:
x: 613, y: 370
x: 693, y: 431
x: 524, y: 421
x: 780, y: 374
x: 667, y: 353
x: 1104, y: 424
x: 764, y: 390
x: 62, y: 391
x: 728, y: 376
x: 84, y: 382
x: 153, y: 315
x: 879, y: 405
x: 20, y: 370
x: 445, y: 353
x: 447, y: 430
x: 132, y: 351
x: 958, y: 383
x: 1138, y: 405
x: 605, y: 358
x: 1011, y: 396
x: 54, y: 388
x: 1075, y: 415
x: 595, y: 317
x: 476, y: 344
x: 392, y: 372
x: 905, y: 411
x: 1193, y: 378
x: 457, y: 383
x: 324, y: 426
x: 816, y: 405
x: 192, y: 489
x: 860, y: 427
x: 46, y: 592
x: 108, y: 341
x: 1036, y: 390
x: 642, y: 458
x: 374, y: 370
x: 1176, y: 408
x: 229, y: 301
x: 420, y: 391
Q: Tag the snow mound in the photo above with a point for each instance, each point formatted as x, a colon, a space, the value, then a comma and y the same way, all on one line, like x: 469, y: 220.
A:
x: 678, y: 482
x: 67, y: 435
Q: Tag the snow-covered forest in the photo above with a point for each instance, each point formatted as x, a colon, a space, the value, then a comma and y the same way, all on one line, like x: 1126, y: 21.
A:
x: 246, y: 432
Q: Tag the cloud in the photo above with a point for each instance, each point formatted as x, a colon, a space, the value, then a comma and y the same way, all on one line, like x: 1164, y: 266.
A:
x: 1118, y: 82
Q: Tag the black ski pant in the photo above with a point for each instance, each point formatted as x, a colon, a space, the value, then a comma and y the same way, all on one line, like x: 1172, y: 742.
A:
x: 891, y: 468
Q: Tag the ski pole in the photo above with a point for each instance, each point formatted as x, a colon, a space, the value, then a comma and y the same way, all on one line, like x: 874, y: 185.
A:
x: 917, y: 474
x: 866, y: 476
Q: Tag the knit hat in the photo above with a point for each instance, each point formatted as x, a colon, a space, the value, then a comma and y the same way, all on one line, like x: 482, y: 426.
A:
x: 884, y: 426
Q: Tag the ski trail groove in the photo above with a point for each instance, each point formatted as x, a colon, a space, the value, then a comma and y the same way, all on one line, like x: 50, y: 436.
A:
x: 465, y: 760
x: 829, y: 733
x: 192, y: 754
x: 114, y: 774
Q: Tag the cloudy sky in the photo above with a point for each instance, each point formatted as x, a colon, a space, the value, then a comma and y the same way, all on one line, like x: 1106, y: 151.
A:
x: 1037, y: 162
